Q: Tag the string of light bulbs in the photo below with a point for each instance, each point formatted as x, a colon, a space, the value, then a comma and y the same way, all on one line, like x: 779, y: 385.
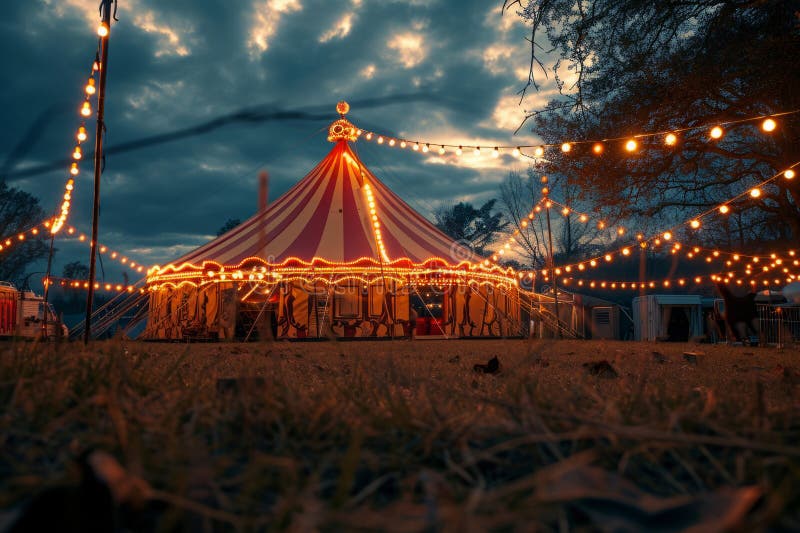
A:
x: 112, y: 254
x: 666, y: 236
x: 81, y: 135
x: 630, y: 143
x: 55, y: 224
x: 776, y: 274
x: 672, y: 282
x: 84, y: 284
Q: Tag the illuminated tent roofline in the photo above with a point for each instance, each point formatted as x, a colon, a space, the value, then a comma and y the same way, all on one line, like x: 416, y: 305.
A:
x: 338, y: 224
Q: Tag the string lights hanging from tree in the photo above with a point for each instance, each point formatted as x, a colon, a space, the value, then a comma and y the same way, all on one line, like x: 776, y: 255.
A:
x: 666, y: 237
x: 630, y: 144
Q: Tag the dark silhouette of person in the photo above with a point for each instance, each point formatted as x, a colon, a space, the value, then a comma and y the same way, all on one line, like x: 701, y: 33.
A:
x: 741, y: 313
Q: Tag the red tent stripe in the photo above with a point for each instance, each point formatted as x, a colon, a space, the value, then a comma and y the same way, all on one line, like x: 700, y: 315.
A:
x: 245, y: 243
x: 326, y: 216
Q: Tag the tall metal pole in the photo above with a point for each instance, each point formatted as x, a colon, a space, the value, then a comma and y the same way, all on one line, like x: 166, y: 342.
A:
x: 545, y: 191
x: 98, y: 160
x: 47, y: 284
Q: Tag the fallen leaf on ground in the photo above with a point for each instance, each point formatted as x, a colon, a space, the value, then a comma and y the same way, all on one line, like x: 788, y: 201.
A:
x: 615, y: 504
x: 659, y: 357
x: 491, y: 367
x: 602, y: 369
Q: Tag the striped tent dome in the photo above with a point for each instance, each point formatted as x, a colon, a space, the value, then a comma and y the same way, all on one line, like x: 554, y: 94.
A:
x: 339, y: 254
x: 339, y: 213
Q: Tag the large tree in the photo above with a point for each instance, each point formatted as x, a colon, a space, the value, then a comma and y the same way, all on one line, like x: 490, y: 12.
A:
x: 477, y: 228
x: 572, y: 239
x: 631, y: 66
x: 19, y: 211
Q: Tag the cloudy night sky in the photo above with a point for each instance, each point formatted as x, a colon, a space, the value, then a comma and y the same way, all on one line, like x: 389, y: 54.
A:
x: 441, y: 71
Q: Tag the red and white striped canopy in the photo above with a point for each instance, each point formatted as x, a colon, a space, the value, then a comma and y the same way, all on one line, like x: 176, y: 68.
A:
x: 338, y: 213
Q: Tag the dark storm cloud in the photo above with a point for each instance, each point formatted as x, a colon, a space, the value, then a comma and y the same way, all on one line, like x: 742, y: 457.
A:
x: 196, y: 106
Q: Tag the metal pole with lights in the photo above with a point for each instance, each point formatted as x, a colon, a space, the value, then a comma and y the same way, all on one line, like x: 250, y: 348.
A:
x: 47, y: 283
x: 104, y: 30
x: 547, y: 204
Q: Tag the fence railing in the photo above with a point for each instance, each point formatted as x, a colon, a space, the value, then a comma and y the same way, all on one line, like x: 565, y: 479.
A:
x: 780, y: 324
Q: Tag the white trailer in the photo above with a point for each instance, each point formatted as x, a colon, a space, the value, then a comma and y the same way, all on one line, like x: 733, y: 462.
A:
x: 24, y: 314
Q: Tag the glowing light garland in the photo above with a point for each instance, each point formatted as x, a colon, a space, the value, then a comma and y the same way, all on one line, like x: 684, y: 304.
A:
x: 666, y: 237
x: 630, y: 143
x: 77, y: 154
x: 785, y: 276
x: 84, y: 284
x: 112, y: 254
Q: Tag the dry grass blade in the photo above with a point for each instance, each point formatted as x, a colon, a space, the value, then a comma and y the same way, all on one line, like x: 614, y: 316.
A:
x: 405, y: 436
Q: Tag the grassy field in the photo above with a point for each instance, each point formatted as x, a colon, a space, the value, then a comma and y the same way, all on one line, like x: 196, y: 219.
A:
x: 406, y: 436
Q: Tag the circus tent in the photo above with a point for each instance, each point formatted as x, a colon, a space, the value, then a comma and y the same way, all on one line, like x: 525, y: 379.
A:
x: 339, y: 254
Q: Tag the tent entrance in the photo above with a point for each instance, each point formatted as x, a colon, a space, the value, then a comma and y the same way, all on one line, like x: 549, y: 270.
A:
x: 256, y: 321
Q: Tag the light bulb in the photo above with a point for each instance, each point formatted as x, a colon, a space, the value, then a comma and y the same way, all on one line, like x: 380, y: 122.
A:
x: 516, y: 152
x: 768, y: 125
x: 724, y: 209
x: 538, y: 151
x: 671, y: 139
x: 102, y: 30
x: 441, y: 150
x: 477, y: 150
x: 90, y: 89
x: 380, y: 140
x: 459, y: 151
x: 73, y: 169
x: 81, y: 134
x: 597, y: 148
x: 566, y: 147
x: 426, y: 148
x: 495, y: 152
x: 695, y: 223
x: 86, y: 109
x: 631, y: 145
x: 77, y: 153
x: 755, y: 192
x: 416, y: 147
x: 716, y: 132
x: 788, y: 174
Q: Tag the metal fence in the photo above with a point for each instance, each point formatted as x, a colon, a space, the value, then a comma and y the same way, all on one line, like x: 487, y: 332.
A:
x: 780, y: 324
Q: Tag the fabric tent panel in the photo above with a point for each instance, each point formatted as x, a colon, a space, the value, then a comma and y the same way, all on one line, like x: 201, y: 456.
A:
x: 325, y: 215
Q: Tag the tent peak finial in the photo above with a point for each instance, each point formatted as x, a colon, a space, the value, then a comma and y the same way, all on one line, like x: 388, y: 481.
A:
x: 342, y: 129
